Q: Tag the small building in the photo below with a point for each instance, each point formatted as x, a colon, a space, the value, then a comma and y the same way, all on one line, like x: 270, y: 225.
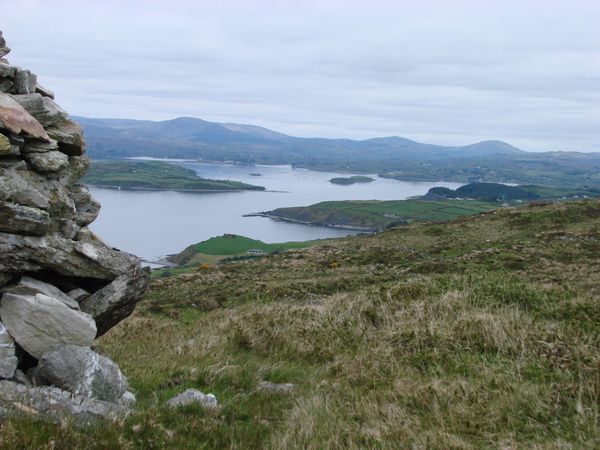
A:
x: 255, y: 251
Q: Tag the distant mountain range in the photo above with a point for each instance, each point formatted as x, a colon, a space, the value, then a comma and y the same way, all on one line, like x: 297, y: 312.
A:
x: 188, y: 137
x: 394, y: 157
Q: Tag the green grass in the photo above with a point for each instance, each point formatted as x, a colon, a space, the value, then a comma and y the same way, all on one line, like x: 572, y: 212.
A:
x: 481, y: 332
x: 235, y: 244
x: 218, y: 248
x: 373, y: 214
x: 155, y: 175
x: 351, y: 180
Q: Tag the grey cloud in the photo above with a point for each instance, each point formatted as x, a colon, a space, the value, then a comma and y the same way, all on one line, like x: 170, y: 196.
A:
x: 448, y: 72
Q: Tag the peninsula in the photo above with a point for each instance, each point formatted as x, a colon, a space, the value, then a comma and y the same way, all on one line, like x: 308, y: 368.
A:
x: 156, y: 175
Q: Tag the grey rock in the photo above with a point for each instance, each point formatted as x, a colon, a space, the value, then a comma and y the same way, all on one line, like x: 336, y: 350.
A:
x: 52, y: 161
x: 39, y: 146
x: 24, y: 81
x: 8, y: 358
x: 7, y: 71
x: 81, y: 371
x: 192, y: 396
x: 78, y: 166
x: 20, y: 377
x: 112, y: 303
x: 40, y: 323
x: 67, y: 228
x: 69, y: 136
x: 31, y: 286
x: 5, y: 278
x: 128, y: 399
x: 85, y: 258
x: 4, y: 51
x: 42, y: 108
x: 54, y: 404
x: 6, y: 85
x: 14, y: 188
x: 276, y: 387
x: 15, y: 118
x: 23, y: 219
x: 43, y: 91
x: 87, y: 209
x: 78, y: 294
x: 5, y: 145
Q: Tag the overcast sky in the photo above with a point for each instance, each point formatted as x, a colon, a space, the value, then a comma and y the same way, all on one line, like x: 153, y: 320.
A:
x: 438, y: 71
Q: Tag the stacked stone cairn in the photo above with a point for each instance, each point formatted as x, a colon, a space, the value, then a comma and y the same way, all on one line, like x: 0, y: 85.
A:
x: 61, y: 286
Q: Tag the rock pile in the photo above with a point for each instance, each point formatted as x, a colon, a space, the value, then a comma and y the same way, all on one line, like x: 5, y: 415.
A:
x: 60, y: 285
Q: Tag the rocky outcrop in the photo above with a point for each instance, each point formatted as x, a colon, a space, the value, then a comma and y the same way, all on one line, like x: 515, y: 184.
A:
x: 192, y: 397
x: 61, y: 286
x: 54, y: 404
x: 81, y: 371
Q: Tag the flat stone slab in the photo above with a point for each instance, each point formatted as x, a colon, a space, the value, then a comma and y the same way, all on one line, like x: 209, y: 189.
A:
x: 40, y: 323
x: 31, y: 286
x: 15, y: 118
x: 55, y: 405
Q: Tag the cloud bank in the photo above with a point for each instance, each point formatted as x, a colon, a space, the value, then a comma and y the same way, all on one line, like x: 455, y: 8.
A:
x: 439, y: 71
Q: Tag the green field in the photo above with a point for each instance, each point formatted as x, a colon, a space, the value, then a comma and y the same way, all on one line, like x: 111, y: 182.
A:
x: 218, y: 248
x: 372, y: 214
x: 155, y: 175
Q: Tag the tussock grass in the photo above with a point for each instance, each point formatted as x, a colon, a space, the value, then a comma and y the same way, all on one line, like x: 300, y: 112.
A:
x: 413, y: 339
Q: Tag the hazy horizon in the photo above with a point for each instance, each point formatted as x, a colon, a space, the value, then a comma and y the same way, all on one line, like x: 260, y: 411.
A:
x: 441, y: 72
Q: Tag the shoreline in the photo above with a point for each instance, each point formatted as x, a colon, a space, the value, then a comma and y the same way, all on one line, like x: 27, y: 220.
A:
x: 314, y: 224
x: 140, y: 188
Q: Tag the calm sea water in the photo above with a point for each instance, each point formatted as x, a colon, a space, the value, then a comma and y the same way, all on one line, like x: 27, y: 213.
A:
x: 154, y: 224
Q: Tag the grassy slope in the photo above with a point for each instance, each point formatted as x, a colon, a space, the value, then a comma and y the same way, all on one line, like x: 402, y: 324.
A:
x: 215, y: 249
x: 374, y: 214
x: 155, y: 175
x: 479, y: 333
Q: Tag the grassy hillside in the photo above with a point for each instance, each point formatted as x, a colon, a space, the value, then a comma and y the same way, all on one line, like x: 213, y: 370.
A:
x: 565, y: 169
x: 375, y: 214
x: 493, y: 192
x: 155, y: 175
x: 218, y: 248
x: 478, y: 333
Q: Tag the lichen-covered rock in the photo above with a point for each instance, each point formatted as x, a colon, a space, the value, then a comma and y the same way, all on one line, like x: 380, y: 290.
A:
x: 84, y: 372
x: 191, y: 397
x: 4, y: 50
x: 24, y: 81
x: 14, y: 188
x: 69, y: 136
x: 47, y: 162
x: 44, y: 109
x: 47, y: 249
x: 114, y: 301
x: 5, y: 146
x: 14, y: 118
x: 23, y: 219
x: 87, y: 209
x: 54, y: 404
x: 39, y: 323
x: 8, y: 358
